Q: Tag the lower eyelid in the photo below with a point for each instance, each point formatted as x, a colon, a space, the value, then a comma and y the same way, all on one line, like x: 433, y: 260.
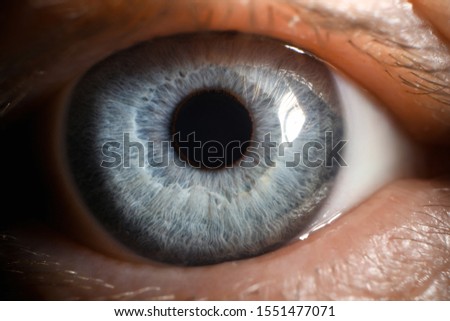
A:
x: 379, y: 250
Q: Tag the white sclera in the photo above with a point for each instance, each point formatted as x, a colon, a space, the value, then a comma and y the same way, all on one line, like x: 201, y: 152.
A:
x: 377, y: 152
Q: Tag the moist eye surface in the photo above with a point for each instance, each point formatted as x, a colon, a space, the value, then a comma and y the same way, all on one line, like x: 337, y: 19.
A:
x: 203, y: 148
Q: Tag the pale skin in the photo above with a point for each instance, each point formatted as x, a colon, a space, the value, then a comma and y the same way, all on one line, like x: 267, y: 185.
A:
x: 394, y: 245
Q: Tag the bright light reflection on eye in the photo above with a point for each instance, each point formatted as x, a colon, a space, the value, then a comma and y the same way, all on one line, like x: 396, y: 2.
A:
x: 291, y: 116
x: 297, y: 50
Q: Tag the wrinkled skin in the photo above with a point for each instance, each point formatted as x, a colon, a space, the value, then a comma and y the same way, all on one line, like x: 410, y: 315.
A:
x: 394, y: 245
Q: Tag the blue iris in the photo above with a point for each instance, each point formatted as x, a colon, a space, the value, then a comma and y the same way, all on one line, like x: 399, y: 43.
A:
x: 124, y: 163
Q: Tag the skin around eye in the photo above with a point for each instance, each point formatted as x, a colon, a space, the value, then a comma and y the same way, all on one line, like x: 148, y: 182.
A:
x: 379, y: 250
x: 437, y: 11
x: 376, y: 56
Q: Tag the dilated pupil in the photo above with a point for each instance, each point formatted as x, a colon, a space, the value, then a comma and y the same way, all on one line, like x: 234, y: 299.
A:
x: 211, y: 129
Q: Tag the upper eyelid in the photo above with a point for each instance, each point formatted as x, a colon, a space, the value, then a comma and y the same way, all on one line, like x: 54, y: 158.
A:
x: 424, y: 77
x: 426, y: 59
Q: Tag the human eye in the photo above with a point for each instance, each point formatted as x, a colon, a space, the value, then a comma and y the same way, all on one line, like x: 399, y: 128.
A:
x: 380, y: 228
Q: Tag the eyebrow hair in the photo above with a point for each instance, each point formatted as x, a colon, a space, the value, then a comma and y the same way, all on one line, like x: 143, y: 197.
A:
x: 413, y: 48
